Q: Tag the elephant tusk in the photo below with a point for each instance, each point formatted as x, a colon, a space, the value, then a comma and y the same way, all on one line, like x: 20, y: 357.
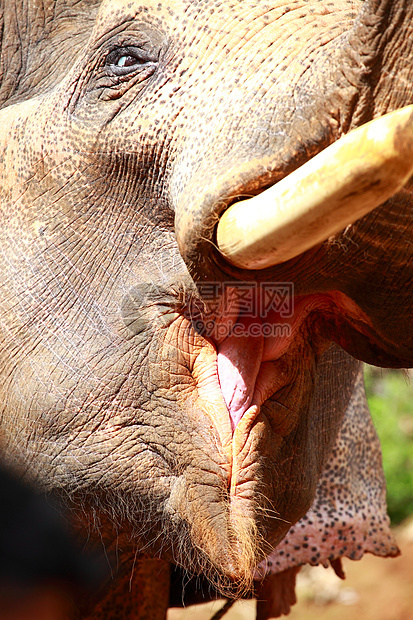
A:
x: 344, y: 182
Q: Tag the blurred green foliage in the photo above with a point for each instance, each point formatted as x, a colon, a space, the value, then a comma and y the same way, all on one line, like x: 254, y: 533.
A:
x: 390, y: 396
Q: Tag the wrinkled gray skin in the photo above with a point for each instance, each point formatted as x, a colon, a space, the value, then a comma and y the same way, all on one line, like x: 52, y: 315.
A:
x: 112, y: 181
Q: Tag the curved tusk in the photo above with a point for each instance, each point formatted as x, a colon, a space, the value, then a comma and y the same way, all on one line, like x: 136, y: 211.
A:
x: 348, y: 179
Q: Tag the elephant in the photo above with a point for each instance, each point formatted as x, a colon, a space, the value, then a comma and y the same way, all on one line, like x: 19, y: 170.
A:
x: 204, y: 421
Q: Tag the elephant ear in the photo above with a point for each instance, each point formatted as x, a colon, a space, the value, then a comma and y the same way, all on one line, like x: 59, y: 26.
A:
x: 39, y: 41
x: 378, y: 58
x: 347, y: 519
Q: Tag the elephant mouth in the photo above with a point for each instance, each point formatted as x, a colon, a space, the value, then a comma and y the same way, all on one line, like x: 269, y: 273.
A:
x: 253, y: 353
x: 252, y: 344
x: 255, y: 374
x: 257, y: 368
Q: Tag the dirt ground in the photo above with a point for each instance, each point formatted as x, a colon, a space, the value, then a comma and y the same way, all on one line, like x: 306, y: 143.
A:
x: 374, y: 589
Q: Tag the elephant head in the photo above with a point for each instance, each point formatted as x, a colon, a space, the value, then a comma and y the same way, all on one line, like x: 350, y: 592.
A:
x: 183, y: 404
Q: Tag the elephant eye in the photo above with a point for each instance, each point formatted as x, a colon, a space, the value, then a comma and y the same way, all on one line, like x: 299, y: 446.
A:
x: 124, y: 60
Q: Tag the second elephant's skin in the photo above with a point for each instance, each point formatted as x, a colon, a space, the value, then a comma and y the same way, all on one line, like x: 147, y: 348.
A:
x: 194, y: 453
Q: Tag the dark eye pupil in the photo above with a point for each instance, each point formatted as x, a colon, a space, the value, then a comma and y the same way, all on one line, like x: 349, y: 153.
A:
x: 127, y: 61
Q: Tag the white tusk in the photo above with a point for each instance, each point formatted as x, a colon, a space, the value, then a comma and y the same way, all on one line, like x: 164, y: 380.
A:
x: 347, y: 180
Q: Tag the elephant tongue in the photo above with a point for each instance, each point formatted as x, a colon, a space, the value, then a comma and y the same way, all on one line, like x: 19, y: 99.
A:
x: 245, y: 370
x: 239, y: 362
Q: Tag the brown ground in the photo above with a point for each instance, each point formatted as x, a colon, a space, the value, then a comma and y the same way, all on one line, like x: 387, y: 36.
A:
x: 375, y: 589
